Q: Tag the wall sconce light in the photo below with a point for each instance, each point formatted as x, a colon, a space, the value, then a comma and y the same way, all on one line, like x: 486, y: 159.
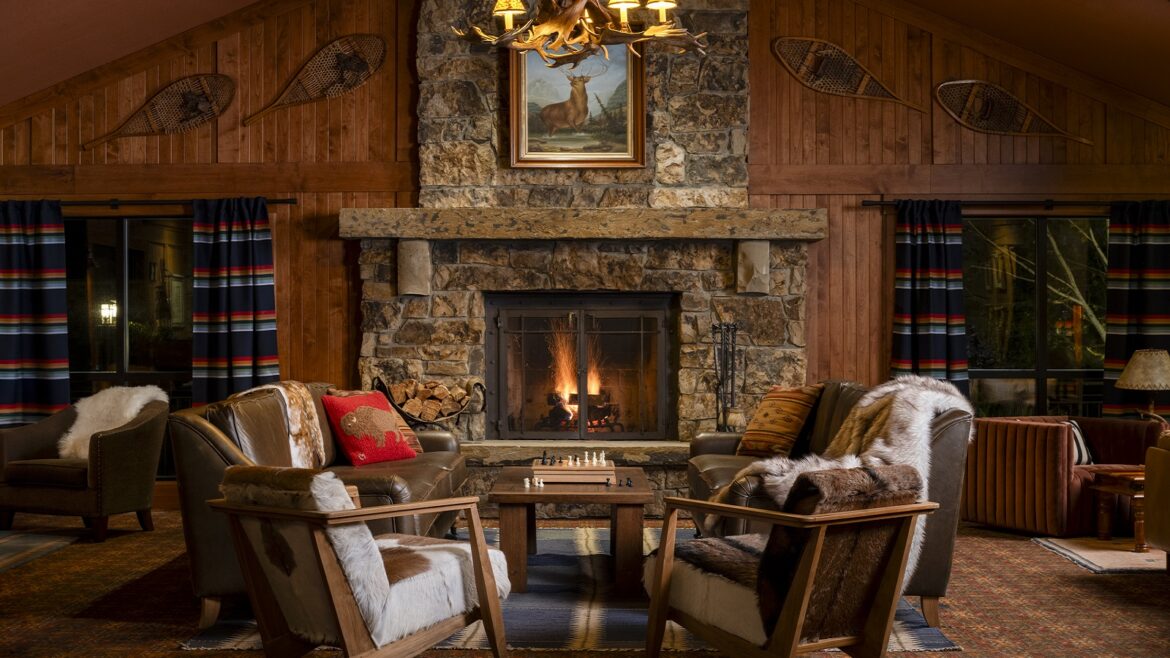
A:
x: 108, y: 312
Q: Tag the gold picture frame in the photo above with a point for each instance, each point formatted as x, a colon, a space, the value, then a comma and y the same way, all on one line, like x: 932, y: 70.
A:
x: 596, y: 111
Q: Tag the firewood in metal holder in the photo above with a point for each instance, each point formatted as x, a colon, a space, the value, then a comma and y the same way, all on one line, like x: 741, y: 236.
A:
x: 723, y: 338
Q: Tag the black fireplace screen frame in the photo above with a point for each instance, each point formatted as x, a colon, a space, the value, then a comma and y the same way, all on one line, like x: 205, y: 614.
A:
x: 499, y: 307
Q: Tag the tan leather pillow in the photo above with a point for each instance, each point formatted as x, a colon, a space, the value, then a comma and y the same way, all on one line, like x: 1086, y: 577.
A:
x: 778, y: 421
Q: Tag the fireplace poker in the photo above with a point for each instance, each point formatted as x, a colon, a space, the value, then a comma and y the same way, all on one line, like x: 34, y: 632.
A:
x: 723, y: 337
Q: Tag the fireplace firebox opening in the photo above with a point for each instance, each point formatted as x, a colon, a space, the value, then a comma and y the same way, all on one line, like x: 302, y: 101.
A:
x: 591, y: 366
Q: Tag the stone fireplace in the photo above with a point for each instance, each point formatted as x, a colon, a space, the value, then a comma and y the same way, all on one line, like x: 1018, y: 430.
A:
x: 679, y: 228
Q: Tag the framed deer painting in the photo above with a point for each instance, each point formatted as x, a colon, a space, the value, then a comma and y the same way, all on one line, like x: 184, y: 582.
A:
x: 589, y: 116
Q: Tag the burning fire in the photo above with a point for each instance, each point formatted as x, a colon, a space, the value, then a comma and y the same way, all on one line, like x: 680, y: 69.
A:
x: 562, y: 346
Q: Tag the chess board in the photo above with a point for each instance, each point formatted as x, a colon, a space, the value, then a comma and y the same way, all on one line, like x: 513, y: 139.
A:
x: 583, y: 474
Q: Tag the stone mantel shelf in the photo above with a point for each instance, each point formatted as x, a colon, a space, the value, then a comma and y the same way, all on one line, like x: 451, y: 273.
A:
x: 584, y: 223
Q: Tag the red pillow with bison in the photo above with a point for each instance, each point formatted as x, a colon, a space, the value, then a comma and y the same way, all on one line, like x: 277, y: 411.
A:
x: 368, y: 430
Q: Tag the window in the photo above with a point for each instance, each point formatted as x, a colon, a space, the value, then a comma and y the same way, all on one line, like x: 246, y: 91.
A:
x: 1035, y: 349
x: 129, y: 291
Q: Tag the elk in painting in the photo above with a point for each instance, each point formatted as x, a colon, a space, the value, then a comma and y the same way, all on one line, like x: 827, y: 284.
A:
x: 573, y: 113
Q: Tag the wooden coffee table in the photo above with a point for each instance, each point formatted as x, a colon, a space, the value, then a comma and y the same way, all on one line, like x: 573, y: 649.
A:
x: 1132, y: 484
x: 518, y: 520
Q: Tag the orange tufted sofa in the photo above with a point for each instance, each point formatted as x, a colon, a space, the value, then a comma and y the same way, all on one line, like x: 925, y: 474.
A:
x: 1021, y: 476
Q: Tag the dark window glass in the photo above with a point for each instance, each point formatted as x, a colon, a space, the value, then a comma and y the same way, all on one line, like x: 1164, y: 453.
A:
x: 129, y: 291
x: 1035, y: 302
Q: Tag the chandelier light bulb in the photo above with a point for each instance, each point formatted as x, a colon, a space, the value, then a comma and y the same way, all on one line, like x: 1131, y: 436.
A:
x: 623, y: 7
x: 661, y: 6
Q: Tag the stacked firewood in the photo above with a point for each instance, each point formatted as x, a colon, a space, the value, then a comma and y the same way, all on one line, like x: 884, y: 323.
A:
x: 431, y: 399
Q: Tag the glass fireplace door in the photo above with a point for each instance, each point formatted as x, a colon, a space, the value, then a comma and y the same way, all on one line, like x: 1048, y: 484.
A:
x: 593, y: 367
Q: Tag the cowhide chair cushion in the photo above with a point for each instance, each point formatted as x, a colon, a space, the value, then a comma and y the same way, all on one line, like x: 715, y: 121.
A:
x: 739, y: 583
x: 401, y: 583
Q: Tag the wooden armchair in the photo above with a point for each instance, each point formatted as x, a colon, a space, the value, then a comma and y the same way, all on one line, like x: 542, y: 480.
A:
x: 830, y: 573
x: 316, y: 575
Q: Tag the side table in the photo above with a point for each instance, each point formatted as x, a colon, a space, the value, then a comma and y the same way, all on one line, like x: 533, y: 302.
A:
x: 518, y: 520
x: 1131, y: 484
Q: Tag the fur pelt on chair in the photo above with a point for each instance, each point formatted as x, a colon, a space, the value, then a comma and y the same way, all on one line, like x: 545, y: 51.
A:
x: 891, y: 424
x: 107, y: 409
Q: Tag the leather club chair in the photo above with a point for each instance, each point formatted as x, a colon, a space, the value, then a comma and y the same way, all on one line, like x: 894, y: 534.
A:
x: 1021, y: 476
x: 117, y: 477
x: 252, y: 430
x: 714, y: 464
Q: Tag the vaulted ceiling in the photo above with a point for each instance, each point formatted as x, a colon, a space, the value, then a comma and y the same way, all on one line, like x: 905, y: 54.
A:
x: 1126, y: 42
x: 45, y: 42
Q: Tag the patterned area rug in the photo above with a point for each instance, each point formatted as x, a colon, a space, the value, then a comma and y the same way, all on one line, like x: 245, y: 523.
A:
x: 16, y: 548
x: 1105, y: 555
x: 569, y: 605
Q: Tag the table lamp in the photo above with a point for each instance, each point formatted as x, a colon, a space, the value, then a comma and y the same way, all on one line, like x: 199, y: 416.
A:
x: 1147, y: 370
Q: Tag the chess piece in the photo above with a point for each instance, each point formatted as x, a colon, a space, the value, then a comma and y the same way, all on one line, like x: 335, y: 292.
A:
x: 603, y: 462
x: 544, y: 458
x: 619, y: 482
x: 607, y: 482
x: 629, y: 482
x: 527, y: 483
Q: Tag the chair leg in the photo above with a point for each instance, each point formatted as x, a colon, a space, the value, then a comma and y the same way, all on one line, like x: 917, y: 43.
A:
x: 145, y: 520
x: 930, y: 610
x: 6, y: 517
x: 99, y: 525
x: 209, y: 611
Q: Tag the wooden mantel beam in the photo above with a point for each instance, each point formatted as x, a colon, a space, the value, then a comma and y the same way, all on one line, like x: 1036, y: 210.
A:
x: 584, y: 223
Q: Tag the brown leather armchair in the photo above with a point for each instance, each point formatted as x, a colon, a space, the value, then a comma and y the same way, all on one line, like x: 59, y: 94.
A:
x: 714, y: 464
x: 1021, y: 476
x: 252, y: 430
x: 117, y: 477
x: 1158, y: 495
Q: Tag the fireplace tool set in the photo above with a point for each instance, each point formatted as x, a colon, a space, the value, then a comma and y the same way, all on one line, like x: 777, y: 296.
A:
x: 723, y: 337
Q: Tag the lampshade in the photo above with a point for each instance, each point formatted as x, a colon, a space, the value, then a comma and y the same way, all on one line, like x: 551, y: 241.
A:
x: 623, y: 7
x: 1147, y: 370
x: 508, y: 7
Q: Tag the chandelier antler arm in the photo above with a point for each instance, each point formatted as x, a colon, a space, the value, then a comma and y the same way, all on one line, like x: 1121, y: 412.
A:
x: 477, y: 35
x: 664, y: 34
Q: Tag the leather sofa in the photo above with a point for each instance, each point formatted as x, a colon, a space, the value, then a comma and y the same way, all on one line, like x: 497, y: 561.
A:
x: 714, y: 464
x: 252, y: 429
x: 1021, y: 476
x: 1157, y: 501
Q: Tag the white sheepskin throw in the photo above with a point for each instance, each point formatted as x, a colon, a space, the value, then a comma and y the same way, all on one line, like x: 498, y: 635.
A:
x: 306, y: 442
x: 891, y: 424
x: 105, y: 410
x: 434, y: 582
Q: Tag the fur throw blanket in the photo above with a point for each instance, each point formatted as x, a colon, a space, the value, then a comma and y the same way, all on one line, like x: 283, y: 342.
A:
x: 306, y: 442
x: 891, y: 424
x: 105, y: 410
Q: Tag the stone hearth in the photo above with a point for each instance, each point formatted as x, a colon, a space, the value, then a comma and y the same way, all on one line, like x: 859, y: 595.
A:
x: 680, y: 225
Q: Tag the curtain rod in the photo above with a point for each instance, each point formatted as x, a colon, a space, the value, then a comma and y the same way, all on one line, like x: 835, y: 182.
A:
x: 1046, y: 203
x: 116, y: 203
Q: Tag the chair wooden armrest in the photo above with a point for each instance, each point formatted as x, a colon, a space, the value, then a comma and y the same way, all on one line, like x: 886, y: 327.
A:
x: 356, y: 639
x: 785, y: 639
x: 350, y: 516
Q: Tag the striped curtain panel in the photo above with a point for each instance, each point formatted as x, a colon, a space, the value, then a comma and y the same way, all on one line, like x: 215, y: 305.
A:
x: 1137, y: 303
x: 234, y: 305
x: 930, y: 334
x: 34, y: 350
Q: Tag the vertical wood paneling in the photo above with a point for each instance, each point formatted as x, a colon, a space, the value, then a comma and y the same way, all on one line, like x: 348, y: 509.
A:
x: 850, y: 280
x: 316, y: 271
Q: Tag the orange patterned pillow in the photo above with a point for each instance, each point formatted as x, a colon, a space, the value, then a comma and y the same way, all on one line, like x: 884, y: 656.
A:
x: 778, y: 420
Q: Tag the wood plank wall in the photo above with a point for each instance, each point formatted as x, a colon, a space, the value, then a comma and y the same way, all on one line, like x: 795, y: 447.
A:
x: 355, y: 150
x: 814, y: 150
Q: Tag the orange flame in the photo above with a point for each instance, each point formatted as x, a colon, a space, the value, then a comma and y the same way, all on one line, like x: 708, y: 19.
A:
x: 563, y: 348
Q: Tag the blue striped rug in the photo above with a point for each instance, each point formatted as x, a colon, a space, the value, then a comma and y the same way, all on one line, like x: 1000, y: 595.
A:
x: 18, y: 547
x: 569, y: 606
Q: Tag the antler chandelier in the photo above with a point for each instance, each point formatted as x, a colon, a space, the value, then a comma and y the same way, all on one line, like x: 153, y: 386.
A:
x: 570, y: 31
